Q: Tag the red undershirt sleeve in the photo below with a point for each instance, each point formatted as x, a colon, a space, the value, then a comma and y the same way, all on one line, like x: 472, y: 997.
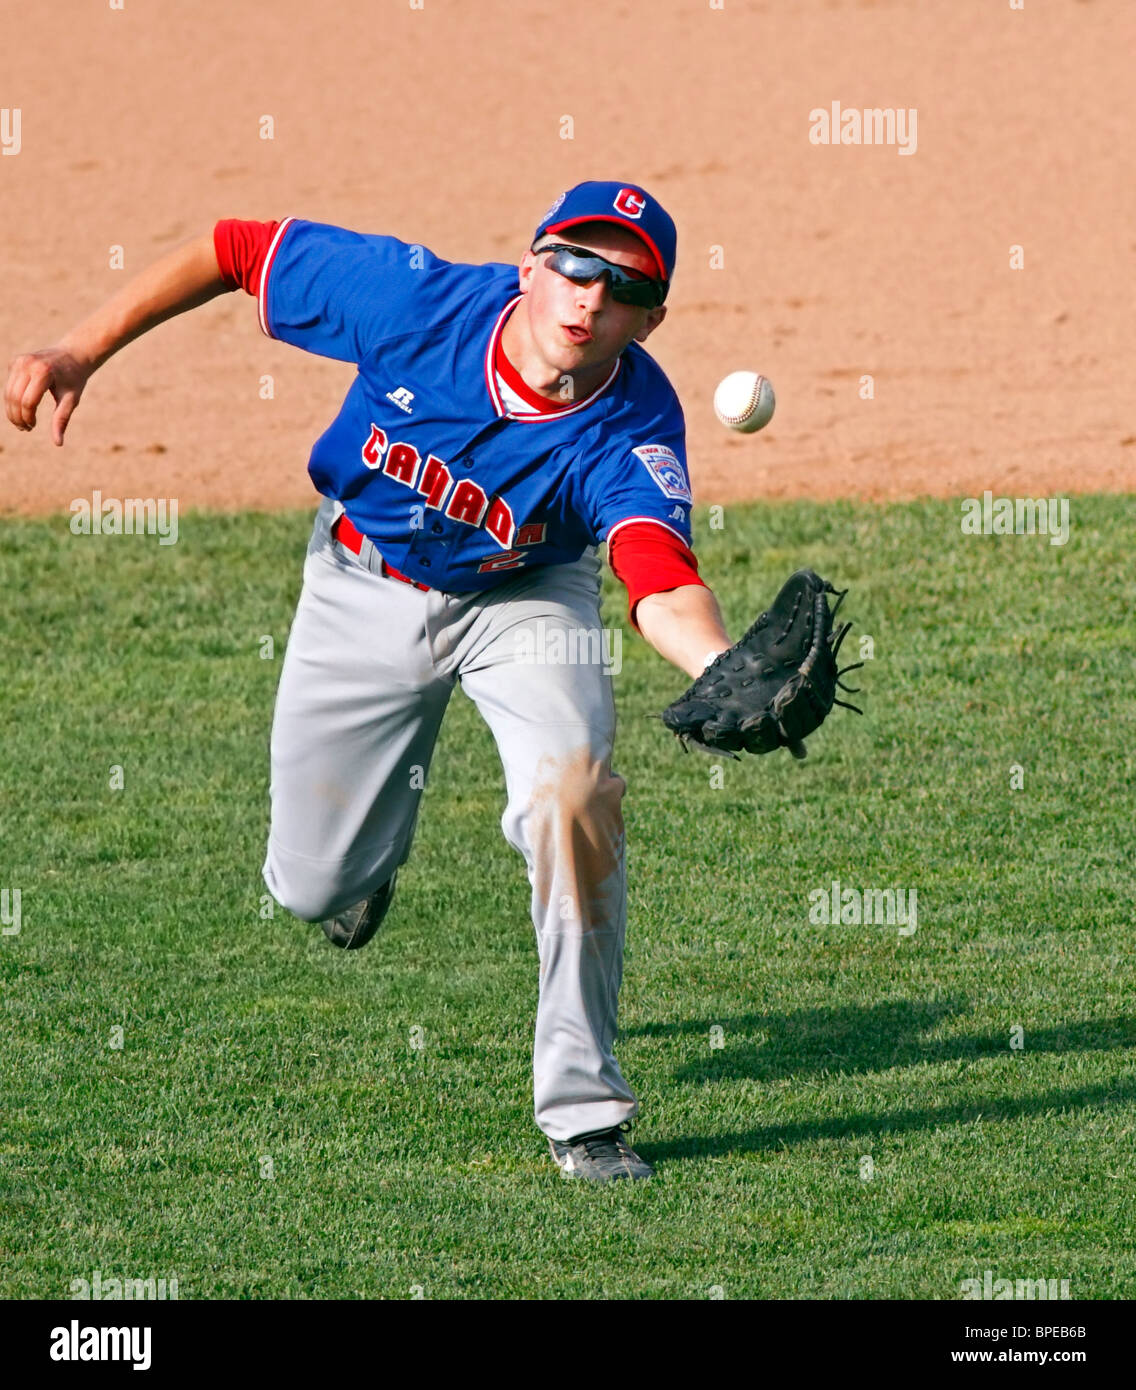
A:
x: 240, y: 248
x: 650, y: 559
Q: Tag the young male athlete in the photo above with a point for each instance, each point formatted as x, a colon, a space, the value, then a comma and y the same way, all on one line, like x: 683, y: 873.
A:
x: 498, y: 429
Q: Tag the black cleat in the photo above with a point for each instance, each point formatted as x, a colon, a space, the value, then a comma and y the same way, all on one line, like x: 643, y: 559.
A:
x: 355, y: 925
x: 603, y: 1157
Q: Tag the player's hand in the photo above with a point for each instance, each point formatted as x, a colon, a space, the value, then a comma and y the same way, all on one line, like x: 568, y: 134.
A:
x: 32, y: 375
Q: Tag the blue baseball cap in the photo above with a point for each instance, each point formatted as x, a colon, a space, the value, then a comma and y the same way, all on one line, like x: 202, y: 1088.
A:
x: 625, y: 204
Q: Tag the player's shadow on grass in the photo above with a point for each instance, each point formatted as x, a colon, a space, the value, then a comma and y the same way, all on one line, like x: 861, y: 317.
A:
x: 861, y: 1125
x: 855, y: 1038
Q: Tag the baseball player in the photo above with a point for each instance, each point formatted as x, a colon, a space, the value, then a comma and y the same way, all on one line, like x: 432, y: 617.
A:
x: 501, y: 425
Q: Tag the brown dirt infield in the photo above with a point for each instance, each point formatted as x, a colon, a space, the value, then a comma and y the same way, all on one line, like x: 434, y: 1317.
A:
x: 442, y: 124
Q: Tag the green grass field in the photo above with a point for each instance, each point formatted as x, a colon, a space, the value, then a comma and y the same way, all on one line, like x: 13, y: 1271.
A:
x: 267, y: 1130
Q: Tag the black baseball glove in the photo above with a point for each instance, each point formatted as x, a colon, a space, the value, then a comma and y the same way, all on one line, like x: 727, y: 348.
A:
x: 775, y: 686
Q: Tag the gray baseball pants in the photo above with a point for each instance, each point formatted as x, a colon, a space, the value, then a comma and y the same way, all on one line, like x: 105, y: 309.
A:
x: 370, y: 666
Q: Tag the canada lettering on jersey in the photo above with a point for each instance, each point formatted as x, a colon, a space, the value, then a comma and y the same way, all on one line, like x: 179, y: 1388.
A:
x: 424, y: 455
x: 462, y: 501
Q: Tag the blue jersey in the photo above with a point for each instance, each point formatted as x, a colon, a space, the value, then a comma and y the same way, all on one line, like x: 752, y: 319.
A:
x: 425, y: 456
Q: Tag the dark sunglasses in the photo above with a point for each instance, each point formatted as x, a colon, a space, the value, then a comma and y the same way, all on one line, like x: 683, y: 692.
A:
x: 582, y: 267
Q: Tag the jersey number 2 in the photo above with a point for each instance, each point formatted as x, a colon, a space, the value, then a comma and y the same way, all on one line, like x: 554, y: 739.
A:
x: 508, y: 561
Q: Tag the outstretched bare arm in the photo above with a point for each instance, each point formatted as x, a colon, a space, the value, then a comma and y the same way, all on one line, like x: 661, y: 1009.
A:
x: 181, y: 280
x: 684, y: 626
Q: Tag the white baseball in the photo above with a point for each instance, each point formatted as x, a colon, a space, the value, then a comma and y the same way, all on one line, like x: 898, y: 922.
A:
x: 744, y: 401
